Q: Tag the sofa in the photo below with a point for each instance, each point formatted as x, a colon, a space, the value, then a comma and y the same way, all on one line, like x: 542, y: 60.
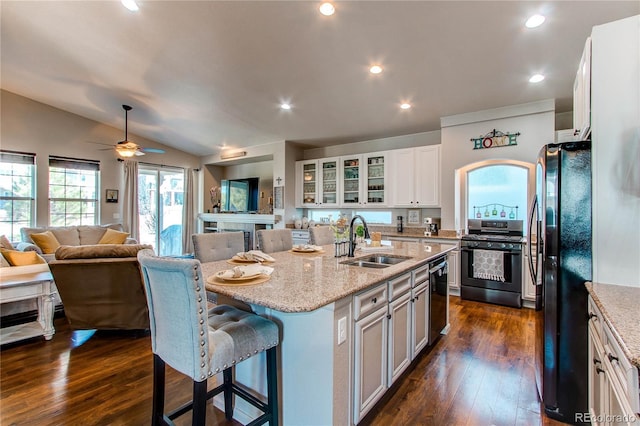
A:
x: 80, y: 235
x: 101, y: 286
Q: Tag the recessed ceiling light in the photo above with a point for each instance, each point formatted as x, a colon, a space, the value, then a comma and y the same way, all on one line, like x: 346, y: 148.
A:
x: 405, y: 106
x: 327, y: 9
x: 285, y: 106
x: 130, y: 4
x: 376, y: 69
x: 536, y: 78
x: 535, y: 21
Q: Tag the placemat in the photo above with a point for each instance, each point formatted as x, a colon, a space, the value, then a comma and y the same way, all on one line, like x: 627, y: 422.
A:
x: 219, y: 281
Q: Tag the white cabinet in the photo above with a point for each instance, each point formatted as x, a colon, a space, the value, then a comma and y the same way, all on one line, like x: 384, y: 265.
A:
x: 416, y: 176
x: 363, y: 180
x: 528, y: 286
x: 419, y: 318
x: 613, y: 381
x: 317, y: 183
x: 582, y: 95
x: 454, y: 269
x: 370, y: 349
x: 400, y: 311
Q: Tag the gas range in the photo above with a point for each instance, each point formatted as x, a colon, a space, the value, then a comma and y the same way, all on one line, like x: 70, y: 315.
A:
x: 494, y: 234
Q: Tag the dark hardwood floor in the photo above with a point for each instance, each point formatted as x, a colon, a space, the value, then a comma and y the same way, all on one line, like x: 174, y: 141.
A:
x: 481, y: 373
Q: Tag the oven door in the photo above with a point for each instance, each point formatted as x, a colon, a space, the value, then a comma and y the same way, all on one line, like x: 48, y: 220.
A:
x: 475, y: 277
x: 481, y: 283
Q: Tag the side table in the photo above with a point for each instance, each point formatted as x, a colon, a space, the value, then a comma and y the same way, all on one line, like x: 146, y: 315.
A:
x: 31, y: 285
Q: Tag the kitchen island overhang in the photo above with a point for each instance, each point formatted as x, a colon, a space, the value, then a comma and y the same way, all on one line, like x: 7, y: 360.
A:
x: 307, y: 296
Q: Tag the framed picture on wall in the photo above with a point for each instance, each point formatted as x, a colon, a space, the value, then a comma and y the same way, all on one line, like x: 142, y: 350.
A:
x: 413, y: 217
x: 278, y: 197
x: 112, y: 196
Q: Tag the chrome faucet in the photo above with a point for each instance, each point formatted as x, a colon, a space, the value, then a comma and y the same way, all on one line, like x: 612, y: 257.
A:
x: 352, y: 244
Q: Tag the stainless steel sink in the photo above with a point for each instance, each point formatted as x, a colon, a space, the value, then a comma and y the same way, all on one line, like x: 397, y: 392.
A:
x: 376, y: 260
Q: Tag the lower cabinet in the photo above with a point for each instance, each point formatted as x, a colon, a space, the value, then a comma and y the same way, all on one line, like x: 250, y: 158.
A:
x: 370, y: 366
x: 613, y: 381
x: 419, y: 318
x: 391, y: 328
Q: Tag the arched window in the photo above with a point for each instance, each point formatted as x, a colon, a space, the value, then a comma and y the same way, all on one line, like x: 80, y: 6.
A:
x: 494, y: 188
x: 497, y: 191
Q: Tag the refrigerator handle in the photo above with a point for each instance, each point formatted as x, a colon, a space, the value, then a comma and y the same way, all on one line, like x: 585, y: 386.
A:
x: 534, y: 204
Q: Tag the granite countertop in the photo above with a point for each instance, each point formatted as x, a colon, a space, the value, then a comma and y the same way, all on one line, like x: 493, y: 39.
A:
x: 304, y: 282
x: 619, y: 306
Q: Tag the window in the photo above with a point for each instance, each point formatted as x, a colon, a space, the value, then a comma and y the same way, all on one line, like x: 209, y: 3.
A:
x: 160, y: 203
x: 17, y: 192
x: 73, y: 191
x: 497, y: 192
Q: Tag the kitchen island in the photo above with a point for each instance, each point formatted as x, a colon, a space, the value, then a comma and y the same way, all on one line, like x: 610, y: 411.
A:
x: 311, y: 297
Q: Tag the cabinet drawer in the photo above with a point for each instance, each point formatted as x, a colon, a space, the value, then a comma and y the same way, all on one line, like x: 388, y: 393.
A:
x: 420, y: 275
x: 369, y: 300
x: 622, y: 369
x: 399, y: 286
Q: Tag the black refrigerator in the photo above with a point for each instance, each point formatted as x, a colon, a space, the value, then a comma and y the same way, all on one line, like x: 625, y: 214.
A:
x: 560, y: 263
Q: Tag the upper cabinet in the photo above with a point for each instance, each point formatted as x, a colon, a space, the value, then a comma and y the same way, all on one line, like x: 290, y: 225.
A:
x: 363, y: 180
x: 317, y: 183
x: 582, y: 95
x: 416, y: 176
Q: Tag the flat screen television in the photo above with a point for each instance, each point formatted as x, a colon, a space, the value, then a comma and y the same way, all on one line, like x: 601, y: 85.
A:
x: 239, y: 195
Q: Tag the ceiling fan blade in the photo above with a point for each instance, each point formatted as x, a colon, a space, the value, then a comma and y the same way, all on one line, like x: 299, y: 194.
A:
x: 99, y: 143
x: 153, y: 150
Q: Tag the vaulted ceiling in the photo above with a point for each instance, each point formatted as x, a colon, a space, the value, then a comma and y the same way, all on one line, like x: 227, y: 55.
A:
x: 201, y: 75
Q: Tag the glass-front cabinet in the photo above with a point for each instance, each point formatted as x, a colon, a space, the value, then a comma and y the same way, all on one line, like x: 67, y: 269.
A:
x: 319, y: 183
x: 349, y: 181
x: 350, y: 169
x: 363, y: 180
x: 329, y: 183
x: 375, y: 179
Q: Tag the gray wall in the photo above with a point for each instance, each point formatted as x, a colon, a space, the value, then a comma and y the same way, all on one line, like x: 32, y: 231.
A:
x: 30, y: 126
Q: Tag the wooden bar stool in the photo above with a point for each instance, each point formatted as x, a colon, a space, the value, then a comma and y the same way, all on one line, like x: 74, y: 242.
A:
x: 199, y: 342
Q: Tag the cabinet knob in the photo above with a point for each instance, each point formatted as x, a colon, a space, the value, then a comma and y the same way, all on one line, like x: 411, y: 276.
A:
x: 374, y: 300
x: 388, y: 316
x: 576, y: 132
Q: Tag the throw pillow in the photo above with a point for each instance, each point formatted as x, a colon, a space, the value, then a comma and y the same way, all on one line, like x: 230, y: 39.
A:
x: 113, y: 237
x: 21, y: 258
x: 5, y: 243
x: 47, y: 242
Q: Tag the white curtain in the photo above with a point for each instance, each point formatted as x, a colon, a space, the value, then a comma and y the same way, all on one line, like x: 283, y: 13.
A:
x: 188, y: 211
x: 130, y: 199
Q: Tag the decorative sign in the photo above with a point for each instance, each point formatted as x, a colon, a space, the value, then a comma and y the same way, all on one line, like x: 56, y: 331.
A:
x: 495, y: 139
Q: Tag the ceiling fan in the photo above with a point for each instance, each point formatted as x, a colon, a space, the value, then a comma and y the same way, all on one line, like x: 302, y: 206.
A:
x: 126, y: 148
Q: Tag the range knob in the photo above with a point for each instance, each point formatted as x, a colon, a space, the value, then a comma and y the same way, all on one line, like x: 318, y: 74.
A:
x: 503, y: 245
x: 489, y: 244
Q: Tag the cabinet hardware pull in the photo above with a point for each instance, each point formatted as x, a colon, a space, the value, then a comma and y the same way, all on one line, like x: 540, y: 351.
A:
x: 596, y: 361
x: 612, y: 358
x: 374, y: 300
x: 599, y: 370
x: 592, y: 316
x: 388, y: 316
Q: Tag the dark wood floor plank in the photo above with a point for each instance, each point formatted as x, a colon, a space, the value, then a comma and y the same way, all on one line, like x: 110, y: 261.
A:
x: 481, y: 373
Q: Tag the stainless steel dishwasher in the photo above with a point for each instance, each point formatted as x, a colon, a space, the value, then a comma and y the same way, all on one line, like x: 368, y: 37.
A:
x: 438, y: 294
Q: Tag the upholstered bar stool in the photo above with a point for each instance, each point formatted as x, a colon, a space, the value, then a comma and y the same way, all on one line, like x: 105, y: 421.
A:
x: 272, y: 240
x: 321, y: 235
x: 217, y: 246
x: 200, y: 343
x: 214, y: 246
